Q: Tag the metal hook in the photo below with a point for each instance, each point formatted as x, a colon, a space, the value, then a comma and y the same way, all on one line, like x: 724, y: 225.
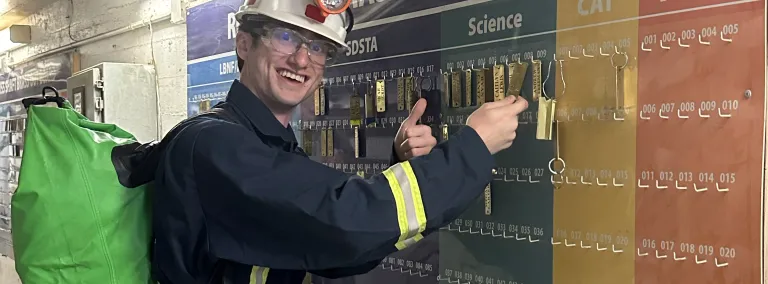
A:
x: 641, y: 185
x: 658, y: 186
x: 643, y: 48
x: 641, y: 254
x: 661, y: 115
x: 584, y: 53
x: 722, y: 37
x: 570, y: 56
x: 680, y: 115
x: 543, y: 84
x: 718, y: 264
x: 603, y: 54
x: 678, y: 186
x: 701, y: 41
x: 626, y: 60
x: 661, y: 44
x: 721, y: 114
x: 680, y: 43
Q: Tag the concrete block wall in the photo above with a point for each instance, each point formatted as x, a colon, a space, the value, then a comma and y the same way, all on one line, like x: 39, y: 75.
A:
x: 64, y: 22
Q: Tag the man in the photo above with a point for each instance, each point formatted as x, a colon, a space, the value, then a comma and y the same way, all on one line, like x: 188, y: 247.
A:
x: 238, y: 202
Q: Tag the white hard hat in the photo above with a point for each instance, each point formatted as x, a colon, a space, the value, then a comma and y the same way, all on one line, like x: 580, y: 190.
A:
x: 302, y: 13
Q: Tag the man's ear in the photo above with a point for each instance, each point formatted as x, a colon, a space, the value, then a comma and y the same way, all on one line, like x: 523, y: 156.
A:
x: 243, y: 44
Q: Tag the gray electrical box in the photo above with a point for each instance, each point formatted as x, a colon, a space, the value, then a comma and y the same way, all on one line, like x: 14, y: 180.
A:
x: 118, y: 93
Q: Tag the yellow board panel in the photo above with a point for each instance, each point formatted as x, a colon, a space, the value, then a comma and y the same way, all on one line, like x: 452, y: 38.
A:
x: 594, y: 199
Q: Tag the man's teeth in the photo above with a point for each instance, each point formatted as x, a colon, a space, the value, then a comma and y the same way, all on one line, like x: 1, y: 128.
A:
x: 294, y: 76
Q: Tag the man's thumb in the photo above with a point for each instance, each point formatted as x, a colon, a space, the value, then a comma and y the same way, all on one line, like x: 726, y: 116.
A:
x: 417, y: 111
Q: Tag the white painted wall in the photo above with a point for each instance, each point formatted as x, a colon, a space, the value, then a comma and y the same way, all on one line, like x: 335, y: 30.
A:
x: 52, y: 29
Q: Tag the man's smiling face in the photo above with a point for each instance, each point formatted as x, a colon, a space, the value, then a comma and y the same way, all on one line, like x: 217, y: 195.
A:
x: 283, y: 75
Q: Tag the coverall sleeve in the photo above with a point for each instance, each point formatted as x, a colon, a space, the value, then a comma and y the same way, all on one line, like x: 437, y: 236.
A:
x: 276, y: 209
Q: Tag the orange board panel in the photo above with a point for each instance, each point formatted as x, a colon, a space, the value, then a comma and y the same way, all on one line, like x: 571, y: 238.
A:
x: 700, y: 143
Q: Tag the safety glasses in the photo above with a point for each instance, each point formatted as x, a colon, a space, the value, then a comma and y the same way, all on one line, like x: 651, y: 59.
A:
x: 288, y: 41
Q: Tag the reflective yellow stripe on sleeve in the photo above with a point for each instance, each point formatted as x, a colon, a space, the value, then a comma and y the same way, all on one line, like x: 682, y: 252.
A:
x: 410, y: 209
x: 259, y: 275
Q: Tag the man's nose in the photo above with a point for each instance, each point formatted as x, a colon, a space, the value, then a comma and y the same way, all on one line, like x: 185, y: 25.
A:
x: 301, y: 57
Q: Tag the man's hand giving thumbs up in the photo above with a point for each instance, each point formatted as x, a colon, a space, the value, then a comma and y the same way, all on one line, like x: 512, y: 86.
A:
x: 413, y: 139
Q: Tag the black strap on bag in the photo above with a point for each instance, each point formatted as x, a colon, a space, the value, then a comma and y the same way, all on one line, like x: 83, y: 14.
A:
x: 136, y: 163
x: 44, y: 99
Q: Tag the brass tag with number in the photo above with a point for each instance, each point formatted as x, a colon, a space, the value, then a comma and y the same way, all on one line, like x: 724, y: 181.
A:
x: 536, y: 80
x: 498, y: 82
x: 322, y: 99
x: 381, y: 96
x: 401, y: 93
x: 487, y: 197
x: 468, y: 87
x: 446, y: 89
x: 546, y: 118
x: 409, y: 93
x: 456, y: 89
x: 480, y: 86
x: 317, y: 101
x: 307, y: 138
x: 517, y: 73
x: 323, y: 143
x: 355, y: 110
x: 329, y: 136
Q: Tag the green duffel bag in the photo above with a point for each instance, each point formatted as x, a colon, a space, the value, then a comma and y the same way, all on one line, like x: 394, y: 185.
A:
x: 73, y: 221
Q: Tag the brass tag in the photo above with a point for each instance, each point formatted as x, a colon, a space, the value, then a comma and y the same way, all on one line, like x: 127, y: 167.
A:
x: 546, y: 119
x: 401, y: 91
x: 307, y: 137
x: 498, y: 82
x: 409, y: 92
x: 536, y: 81
x: 446, y: 89
x: 317, y: 101
x: 322, y: 100
x: 356, y: 130
x: 445, y: 132
x: 329, y: 149
x: 381, y: 96
x: 204, y: 106
x: 323, y: 143
x: 456, y: 89
x: 623, y: 86
x: 487, y: 195
x: 468, y: 87
x: 516, y: 77
x: 480, y: 89
x: 370, y: 109
x: 355, y: 111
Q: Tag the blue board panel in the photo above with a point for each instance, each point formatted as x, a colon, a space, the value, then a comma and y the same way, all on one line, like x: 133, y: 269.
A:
x: 512, y: 244
x: 398, y: 38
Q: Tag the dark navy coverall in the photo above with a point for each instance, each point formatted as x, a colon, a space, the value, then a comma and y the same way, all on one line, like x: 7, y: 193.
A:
x: 236, y: 196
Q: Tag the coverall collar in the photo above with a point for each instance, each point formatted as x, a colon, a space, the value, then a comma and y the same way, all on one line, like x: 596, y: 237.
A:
x: 256, y: 112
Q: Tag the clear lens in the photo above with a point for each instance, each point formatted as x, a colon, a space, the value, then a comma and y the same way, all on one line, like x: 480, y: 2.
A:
x: 288, y: 41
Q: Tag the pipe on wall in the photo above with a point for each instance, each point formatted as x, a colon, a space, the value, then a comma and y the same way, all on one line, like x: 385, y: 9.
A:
x: 95, y: 38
